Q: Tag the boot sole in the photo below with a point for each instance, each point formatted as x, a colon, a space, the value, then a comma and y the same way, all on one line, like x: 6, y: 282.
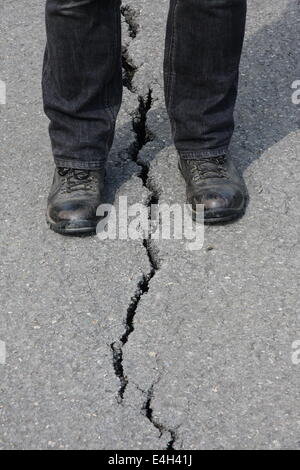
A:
x: 219, y: 219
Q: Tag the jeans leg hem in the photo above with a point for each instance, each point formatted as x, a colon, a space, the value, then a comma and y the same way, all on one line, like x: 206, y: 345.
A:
x: 198, y: 154
x: 79, y: 165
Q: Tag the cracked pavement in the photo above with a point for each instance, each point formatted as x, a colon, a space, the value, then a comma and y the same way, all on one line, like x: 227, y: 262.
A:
x: 138, y: 345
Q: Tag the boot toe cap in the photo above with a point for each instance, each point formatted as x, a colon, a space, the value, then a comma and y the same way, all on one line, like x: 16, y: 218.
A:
x: 220, y: 202
x: 72, y: 216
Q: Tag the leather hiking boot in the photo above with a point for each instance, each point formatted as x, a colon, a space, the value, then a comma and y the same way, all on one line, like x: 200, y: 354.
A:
x: 215, y: 183
x: 73, y: 200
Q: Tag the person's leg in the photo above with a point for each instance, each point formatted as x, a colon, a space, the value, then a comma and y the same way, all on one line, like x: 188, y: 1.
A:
x: 82, y: 89
x: 203, y: 48
x: 82, y: 79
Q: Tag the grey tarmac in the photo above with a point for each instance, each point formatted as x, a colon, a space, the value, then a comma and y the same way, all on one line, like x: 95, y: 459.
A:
x: 131, y: 345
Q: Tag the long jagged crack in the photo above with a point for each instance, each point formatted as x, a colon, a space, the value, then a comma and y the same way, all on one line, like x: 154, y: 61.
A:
x: 148, y: 411
x: 142, y: 137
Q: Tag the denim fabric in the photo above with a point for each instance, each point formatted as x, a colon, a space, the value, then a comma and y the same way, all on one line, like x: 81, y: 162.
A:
x: 82, y: 76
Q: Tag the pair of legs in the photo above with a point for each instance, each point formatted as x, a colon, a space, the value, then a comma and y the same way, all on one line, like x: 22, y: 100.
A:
x: 82, y: 77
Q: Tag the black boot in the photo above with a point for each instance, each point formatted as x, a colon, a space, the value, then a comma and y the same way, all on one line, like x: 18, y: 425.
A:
x: 215, y: 183
x: 73, y: 201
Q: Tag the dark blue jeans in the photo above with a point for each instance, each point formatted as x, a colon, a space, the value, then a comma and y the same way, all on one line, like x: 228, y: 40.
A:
x: 82, y: 76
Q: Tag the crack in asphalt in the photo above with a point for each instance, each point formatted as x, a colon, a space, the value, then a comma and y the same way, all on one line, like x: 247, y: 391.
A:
x: 129, y: 69
x: 148, y: 411
x: 142, y: 136
x: 139, y: 125
x: 117, y: 347
x: 130, y: 15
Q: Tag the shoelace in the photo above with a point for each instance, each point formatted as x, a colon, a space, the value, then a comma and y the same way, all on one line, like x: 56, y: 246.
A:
x: 208, y: 168
x: 75, y: 180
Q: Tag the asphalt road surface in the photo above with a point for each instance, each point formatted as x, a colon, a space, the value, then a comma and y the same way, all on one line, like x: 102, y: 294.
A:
x: 132, y: 345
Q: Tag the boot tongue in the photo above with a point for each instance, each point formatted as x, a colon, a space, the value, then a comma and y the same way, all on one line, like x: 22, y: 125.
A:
x: 63, y: 171
x: 212, y: 167
x: 81, y: 174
